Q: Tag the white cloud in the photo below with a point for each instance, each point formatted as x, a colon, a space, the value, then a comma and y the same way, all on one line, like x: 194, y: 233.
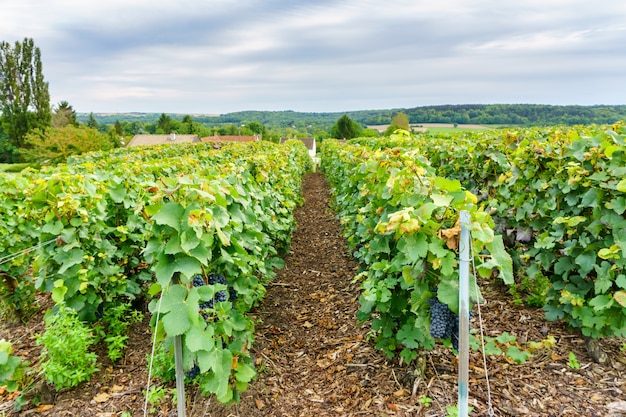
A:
x: 330, y: 55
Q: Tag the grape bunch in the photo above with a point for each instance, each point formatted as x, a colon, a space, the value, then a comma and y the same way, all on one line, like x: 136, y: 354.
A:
x: 198, y: 281
x: 440, y: 316
x: 193, y: 372
x: 220, y: 296
x: 444, y: 324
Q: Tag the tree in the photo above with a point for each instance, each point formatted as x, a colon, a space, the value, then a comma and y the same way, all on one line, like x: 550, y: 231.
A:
x: 257, y: 128
x: 164, y: 124
x: 119, y: 131
x: 399, y: 121
x: 24, y: 96
x: 92, y: 122
x: 345, y: 128
x: 187, y: 125
x: 56, y: 144
x: 64, y: 115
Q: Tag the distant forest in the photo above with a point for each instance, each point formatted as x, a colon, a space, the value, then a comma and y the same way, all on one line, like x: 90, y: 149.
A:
x: 485, y: 114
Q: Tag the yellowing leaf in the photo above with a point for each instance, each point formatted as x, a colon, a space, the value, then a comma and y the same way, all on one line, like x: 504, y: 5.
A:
x: 620, y: 297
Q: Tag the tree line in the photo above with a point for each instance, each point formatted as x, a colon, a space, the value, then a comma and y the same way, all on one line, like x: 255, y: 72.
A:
x: 483, y: 114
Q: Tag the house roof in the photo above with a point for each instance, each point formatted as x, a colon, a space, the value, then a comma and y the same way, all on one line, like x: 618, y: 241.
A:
x: 218, y: 138
x: 308, y: 142
x: 147, y: 140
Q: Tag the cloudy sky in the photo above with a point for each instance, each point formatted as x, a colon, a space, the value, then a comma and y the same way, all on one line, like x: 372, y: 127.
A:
x: 220, y: 56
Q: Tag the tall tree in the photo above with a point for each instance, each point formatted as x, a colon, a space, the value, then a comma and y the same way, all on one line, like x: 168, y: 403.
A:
x: 119, y: 130
x: 401, y: 120
x: 257, y: 128
x: 345, y: 128
x: 64, y: 115
x: 187, y: 125
x: 24, y: 96
x: 92, y: 122
x: 164, y: 124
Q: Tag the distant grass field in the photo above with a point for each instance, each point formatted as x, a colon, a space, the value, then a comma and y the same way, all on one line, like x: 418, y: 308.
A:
x: 12, y: 167
x: 447, y: 127
x: 435, y: 127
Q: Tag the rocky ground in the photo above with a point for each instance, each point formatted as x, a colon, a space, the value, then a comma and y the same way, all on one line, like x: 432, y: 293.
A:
x: 313, y: 359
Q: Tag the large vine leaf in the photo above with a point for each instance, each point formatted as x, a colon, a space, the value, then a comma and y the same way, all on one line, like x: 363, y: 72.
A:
x: 170, y: 214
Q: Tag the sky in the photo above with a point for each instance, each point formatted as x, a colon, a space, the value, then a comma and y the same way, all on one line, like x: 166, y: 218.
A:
x: 222, y: 56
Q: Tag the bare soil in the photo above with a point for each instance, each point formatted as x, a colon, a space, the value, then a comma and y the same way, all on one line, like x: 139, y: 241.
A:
x: 314, y: 360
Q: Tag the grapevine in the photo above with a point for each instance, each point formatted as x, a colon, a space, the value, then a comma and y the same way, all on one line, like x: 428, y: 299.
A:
x: 396, y: 213
x: 110, y: 217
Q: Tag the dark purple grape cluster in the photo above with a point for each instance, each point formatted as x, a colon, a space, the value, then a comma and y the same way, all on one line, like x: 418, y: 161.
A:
x: 444, y: 324
x: 440, y: 317
x: 193, y: 372
x: 220, y: 296
x: 198, y: 281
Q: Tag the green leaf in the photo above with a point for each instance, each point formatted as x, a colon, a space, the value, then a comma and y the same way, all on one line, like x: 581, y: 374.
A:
x: 519, y: 356
x: 172, y: 247
x: 414, y: 246
x: 621, y: 281
x: 602, y: 284
x: 198, y: 338
x: 448, y: 293
x: 617, y: 204
x: 171, y: 214
x: 117, y: 193
x: 601, y: 302
x: 207, y: 292
x: 166, y: 266
x: 244, y: 372
x: 59, y: 291
x: 589, y: 318
x: 176, y: 321
x: 69, y: 259
x: 409, y: 336
x: 188, y: 240
x: 442, y: 200
x: 447, y: 184
x: 54, y: 228
x: 436, y: 248
x: 221, y: 218
x: 505, y: 338
x: 586, y: 261
x: 379, y: 244
x: 502, y: 259
x: 621, y: 186
x: 491, y: 348
x: 591, y: 198
x: 220, y: 375
x: 154, y: 289
x: 237, y: 321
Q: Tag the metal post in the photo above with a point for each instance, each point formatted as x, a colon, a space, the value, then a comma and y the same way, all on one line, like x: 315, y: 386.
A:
x: 180, y: 375
x: 464, y: 258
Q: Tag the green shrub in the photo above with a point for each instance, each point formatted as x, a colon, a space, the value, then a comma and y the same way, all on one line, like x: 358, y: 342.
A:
x: 11, y: 367
x: 65, y: 358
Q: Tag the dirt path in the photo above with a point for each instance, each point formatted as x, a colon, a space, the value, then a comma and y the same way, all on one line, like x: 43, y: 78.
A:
x: 315, y: 360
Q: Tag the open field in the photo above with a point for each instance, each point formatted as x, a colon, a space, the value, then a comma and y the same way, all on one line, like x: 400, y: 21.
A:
x: 433, y: 127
